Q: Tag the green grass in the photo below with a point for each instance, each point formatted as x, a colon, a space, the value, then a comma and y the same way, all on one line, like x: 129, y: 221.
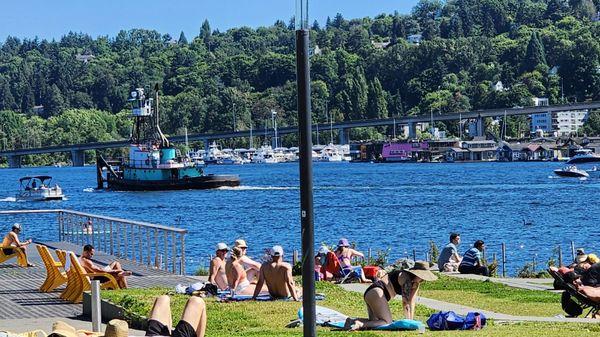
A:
x: 493, y: 296
x: 269, y: 318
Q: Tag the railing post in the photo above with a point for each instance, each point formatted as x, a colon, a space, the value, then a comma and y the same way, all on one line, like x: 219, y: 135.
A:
x: 156, y: 264
x: 182, y: 268
x: 573, y: 250
x: 118, y: 236
x: 370, y: 256
x: 60, y: 226
x: 96, y: 310
x: 166, y: 257
x: 295, y: 257
x: 503, y: 259
x: 414, y: 254
x: 560, y: 257
x: 148, y: 245
x: 132, y: 228
x: 112, y: 248
x: 174, y: 251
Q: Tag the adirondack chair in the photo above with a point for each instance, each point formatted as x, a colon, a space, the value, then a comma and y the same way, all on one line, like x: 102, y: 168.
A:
x: 54, y: 276
x: 81, y: 279
x: 7, y: 253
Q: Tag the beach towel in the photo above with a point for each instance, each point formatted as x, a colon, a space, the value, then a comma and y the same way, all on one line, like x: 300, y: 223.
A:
x: 265, y: 297
x: 331, y: 318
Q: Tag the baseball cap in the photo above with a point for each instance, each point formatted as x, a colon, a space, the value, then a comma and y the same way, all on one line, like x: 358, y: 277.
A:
x: 240, y: 243
x: 277, y: 251
x: 323, y: 250
x: 222, y: 246
x: 17, y: 226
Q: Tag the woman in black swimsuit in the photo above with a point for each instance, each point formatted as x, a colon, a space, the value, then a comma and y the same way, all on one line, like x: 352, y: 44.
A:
x: 404, y: 283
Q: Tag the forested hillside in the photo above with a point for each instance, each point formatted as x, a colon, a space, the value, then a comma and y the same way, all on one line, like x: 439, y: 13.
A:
x: 546, y: 48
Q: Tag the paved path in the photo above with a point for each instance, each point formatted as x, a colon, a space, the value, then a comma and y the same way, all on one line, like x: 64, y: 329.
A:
x: 24, y: 307
x: 523, y: 283
x: 463, y: 310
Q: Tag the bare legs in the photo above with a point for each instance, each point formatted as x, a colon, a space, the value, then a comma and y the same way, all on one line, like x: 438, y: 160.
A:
x: 378, y: 309
x: 194, y: 313
x: 120, y: 274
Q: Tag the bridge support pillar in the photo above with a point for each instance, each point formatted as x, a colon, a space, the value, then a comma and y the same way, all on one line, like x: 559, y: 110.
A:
x: 343, y: 136
x: 412, y: 130
x: 480, y: 127
x: 14, y: 161
x: 78, y: 158
x: 206, y: 146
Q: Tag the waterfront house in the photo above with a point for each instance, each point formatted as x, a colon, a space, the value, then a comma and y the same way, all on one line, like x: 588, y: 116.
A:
x: 402, y: 152
x: 539, y: 152
x: 481, y: 149
x: 457, y: 154
x: 511, y: 152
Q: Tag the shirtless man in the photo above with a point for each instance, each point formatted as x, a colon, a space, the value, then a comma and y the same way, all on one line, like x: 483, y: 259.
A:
x: 12, y: 240
x: 278, y: 277
x: 217, y: 275
x: 252, y: 267
x: 114, y: 268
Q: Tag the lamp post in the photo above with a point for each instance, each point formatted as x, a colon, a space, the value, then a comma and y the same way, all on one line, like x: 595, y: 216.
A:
x: 274, y: 123
x: 306, y: 184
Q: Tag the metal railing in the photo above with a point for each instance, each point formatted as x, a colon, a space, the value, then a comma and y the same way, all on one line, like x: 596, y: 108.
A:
x: 154, y: 245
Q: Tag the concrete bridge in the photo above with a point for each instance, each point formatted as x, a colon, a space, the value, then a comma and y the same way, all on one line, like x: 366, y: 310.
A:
x: 78, y: 150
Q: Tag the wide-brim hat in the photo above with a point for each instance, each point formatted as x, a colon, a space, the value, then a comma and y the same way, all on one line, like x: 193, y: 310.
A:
x: 62, y: 329
x: 116, y: 328
x: 343, y: 243
x: 421, y: 270
x: 593, y: 258
x: 240, y: 243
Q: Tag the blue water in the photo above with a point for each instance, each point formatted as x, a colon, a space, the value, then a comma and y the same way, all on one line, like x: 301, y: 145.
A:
x: 378, y: 206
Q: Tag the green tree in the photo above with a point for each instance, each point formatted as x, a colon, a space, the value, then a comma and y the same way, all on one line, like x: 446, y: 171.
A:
x: 535, y: 55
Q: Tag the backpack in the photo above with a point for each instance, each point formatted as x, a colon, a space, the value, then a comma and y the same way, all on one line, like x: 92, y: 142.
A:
x: 449, y: 320
x: 569, y: 306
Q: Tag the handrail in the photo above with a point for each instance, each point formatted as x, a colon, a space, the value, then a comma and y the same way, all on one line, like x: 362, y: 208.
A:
x: 158, y: 246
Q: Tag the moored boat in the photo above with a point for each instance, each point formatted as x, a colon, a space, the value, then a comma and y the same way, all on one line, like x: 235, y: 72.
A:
x: 584, y: 156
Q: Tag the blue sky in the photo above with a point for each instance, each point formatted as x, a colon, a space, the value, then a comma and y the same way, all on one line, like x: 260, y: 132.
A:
x: 54, y: 18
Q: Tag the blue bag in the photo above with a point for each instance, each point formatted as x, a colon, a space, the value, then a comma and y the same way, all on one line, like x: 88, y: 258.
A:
x: 449, y: 320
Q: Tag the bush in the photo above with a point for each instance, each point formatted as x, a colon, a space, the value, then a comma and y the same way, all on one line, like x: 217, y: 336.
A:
x: 202, y: 271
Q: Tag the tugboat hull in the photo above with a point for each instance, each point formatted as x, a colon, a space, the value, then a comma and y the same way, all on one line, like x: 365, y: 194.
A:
x: 196, y: 183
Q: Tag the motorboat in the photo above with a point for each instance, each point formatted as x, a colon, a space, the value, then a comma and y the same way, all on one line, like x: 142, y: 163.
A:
x: 331, y: 153
x: 38, y: 188
x: 584, y: 156
x: 571, y: 171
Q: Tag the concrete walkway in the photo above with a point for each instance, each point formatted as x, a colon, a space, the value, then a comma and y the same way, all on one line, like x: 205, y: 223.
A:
x: 523, y: 283
x: 463, y: 310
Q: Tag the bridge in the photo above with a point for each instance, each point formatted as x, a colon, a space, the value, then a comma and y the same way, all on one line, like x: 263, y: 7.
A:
x: 78, y: 150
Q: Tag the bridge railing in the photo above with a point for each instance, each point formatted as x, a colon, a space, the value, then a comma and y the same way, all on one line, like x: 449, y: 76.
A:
x: 153, y: 245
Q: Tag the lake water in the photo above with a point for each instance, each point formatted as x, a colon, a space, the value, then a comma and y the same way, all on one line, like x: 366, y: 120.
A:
x: 378, y: 206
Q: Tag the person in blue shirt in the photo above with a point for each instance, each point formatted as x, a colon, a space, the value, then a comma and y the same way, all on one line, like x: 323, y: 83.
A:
x: 472, y: 261
x: 449, y: 258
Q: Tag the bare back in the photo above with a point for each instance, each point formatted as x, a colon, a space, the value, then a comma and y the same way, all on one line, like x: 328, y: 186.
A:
x: 11, y: 239
x: 234, y: 272
x: 218, y: 275
x: 276, y: 276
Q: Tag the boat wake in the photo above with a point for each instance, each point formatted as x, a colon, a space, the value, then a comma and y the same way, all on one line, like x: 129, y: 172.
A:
x: 9, y: 199
x: 258, y: 188
x: 89, y: 189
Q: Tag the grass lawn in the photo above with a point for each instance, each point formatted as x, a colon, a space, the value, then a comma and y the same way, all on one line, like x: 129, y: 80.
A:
x: 269, y: 318
x: 493, y: 296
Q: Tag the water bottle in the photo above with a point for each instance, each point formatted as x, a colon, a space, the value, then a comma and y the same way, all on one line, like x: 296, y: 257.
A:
x: 421, y: 328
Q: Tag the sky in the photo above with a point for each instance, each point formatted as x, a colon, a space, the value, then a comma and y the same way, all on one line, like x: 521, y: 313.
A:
x: 51, y: 19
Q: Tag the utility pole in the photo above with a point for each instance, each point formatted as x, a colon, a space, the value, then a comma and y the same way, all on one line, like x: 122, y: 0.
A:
x: 274, y: 122
x: 306, y: 180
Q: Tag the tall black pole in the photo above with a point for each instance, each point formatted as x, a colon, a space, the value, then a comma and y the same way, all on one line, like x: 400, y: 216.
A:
x: 306, y: 186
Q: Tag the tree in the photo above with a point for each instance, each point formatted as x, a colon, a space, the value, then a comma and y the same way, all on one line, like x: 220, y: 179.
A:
x: 7, y: 101
x: 535, y: 55
x: 54, y: 103
x: 182, y: 39
x: 206, y: 34
x: 377, y: 103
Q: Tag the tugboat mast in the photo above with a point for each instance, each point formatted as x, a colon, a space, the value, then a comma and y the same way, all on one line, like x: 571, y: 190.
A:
x: 146, y: 128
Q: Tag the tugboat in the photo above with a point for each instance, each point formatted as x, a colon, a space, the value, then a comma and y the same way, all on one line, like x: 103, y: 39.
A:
x: 38, y: 188
x: 153, y: 163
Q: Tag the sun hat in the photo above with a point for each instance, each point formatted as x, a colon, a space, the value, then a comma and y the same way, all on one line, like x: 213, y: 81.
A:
x: 62, y: 329
x: 421, y: 270
x: 580, y: 251
x: 240, y: 243
x: 222, y: 246
x: 343, y: 243
x: 116, y: 328
x: 593, y: 258
x: 277, y: 251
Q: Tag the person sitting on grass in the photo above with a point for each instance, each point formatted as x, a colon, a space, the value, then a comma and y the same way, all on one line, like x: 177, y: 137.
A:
x: 217, y: 275
x: 114, y: 268
x: 398, y: 282
x: 250, y: 266
x: 277, y: 275
x: 237, y: 278
x: 345, y: 254
x: 472, y: 261
x: 192, y: 323
x: 321, y: 273
x: 449, y: 259
x: 12, y: 240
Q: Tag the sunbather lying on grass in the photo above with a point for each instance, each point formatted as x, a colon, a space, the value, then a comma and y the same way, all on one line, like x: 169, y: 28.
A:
x: 192, y: 323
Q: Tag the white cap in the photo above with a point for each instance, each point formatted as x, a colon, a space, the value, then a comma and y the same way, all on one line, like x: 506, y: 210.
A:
x: 277, y: 251
x: 323, y: 250
x: 17, y: 226
x: 222, y: 246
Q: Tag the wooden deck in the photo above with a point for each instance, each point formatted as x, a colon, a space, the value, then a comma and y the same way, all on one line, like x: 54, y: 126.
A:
x: 19, y: 287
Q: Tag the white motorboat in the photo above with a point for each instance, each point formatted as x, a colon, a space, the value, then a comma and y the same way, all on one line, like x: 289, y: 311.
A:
x: 266, y: 155
x: 571, y: 171
x: 331, y: 153
x: 37, y: 188
x: 584, y: 156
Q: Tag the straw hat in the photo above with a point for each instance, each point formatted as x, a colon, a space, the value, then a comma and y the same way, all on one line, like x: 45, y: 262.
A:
x: 593, y: 258
x: 116, y: 328
x: 240, y: 243
x: 62, y: 329
x: 421, y: 270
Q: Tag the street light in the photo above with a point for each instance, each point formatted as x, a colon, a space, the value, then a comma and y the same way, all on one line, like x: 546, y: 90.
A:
x: 274, y: 123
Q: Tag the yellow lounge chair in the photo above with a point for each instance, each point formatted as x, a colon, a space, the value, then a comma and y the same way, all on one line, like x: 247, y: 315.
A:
x: 54, y: 276
x: 16, y: 252
x: 81, y: 279
x: 73, y: 282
